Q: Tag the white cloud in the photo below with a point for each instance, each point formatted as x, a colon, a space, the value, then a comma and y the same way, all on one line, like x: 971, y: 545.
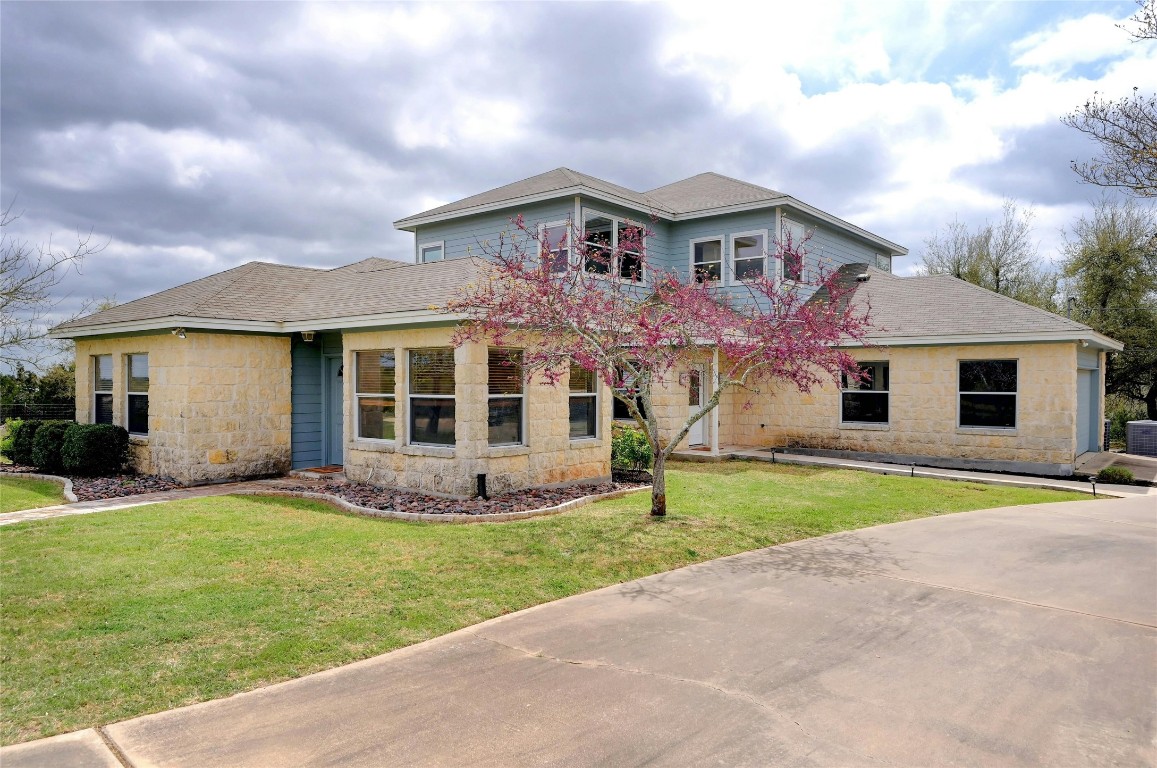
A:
x: 1074, y: 41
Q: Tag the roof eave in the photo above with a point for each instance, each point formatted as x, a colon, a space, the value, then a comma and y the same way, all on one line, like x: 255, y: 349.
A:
x: 382, y: 319
x: 1088, y: 337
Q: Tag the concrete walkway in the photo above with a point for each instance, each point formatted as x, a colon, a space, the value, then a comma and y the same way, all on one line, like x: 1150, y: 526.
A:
x: 1014, y: 636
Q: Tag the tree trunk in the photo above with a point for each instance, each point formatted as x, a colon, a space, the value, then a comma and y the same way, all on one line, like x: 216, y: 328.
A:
x: 1151, y: 401
x: 659, y: 486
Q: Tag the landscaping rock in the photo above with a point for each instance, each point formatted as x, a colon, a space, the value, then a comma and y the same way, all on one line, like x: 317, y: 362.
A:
x: 108, y: 487
x: 373, y: 497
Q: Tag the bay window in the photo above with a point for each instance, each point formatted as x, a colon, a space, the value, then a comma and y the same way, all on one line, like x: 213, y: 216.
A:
x: 375, y: 374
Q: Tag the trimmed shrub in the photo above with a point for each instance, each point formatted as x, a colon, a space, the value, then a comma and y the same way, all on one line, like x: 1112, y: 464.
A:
x: 95, y: 449
x: 46, y: 445
x: 1119, y: 475
x: 629, y: 448
x: 23, y: 434
x: 10, y: 426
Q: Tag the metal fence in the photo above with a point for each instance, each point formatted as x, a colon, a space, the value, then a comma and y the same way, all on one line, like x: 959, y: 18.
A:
x: 65, y: 411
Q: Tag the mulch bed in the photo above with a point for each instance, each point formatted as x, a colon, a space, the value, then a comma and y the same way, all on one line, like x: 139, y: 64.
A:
x: 374, y: 497
x: 110, y: 487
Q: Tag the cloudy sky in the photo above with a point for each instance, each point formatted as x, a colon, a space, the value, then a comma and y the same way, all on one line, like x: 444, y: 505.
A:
x: 196, y: 136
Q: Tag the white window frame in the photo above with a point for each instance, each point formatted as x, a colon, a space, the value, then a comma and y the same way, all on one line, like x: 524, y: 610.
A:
x: 96, y: 383
x: 522, y: 427
x: 595, y: 399
x: 879, y: 258
x: 722, y: 240
x: 129, y: 395
x: 787, y: 224
x: 844, y: 389
x: 731, y: 258
x: 410, y: 395
x: 1014, y: 394
x: 393, y: 396
x: 567, y: 245
x: 427, y: 246
x: 616, y: 222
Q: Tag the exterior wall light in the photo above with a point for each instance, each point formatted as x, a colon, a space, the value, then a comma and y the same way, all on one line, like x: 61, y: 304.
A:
x: 307, y: 336
x: 179, y: 333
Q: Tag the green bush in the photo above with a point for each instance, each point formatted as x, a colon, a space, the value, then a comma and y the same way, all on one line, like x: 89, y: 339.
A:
x: 23, y: 433
x: 1119, y: 475
x: 1119, y: 410
x: 10, y: 427
x: 629, y: 448
x: 95, y: 449
x: 47, y: 443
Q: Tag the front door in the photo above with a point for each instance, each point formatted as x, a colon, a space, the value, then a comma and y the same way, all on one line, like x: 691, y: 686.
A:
x: 334, y: 393
x: 695, y: 402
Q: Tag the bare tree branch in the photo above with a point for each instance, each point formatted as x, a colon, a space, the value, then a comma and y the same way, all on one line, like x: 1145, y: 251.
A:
x: 29, y: 276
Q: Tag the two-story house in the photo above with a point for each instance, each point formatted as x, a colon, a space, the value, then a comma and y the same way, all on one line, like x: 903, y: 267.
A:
x: 268, y: 367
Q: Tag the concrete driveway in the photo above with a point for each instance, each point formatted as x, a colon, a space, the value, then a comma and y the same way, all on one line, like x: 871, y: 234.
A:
x: 1015, y: 636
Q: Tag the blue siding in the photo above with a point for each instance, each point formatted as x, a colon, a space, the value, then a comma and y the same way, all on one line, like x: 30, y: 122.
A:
x: 305, y: 382
x: 470, y: 236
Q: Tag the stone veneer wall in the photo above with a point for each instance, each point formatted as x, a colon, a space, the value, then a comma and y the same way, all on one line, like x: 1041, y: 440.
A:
x: 923, y: 409
x: 219, y: 404
x: 549, y: 456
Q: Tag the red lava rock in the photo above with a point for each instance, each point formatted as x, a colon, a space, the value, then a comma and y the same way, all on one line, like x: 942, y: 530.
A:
x: 373, y: 497
x: 109, y: 487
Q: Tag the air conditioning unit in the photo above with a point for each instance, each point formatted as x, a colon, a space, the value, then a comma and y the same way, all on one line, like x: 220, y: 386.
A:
x: 1141, y: 438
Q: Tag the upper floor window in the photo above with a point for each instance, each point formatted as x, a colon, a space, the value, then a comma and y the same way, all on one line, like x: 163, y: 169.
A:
x: 613, y: 244
x: 748, y: 254
x: 555, y: 243
x: 707, y: 259
x: 791, y: 237
x: 866, y: 401
x: 883, y: 262
x: 431, y: 396
x: 138, y: 394
x: 376, y: 371
x: 430, y: 252
x: 102, y: 389
x: 987, y: 392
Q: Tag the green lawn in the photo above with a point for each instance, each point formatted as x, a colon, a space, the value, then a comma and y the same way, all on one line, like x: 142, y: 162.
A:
x: 117, y: 614
x: 18, y: 493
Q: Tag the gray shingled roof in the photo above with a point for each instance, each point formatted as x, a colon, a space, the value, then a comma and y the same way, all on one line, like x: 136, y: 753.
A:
x: 942, y: 305
x: 552, y: 181
x: 708, y: 191
x: 259, y: 291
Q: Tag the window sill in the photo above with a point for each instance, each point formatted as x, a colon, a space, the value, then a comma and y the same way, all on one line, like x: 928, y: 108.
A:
x: 138, y: 439
x: 499, y: 451
x: 996, y: 431
x: 442, y: 452
x: 865, y: 426
x: 585, y: 442
x: 377, y: 446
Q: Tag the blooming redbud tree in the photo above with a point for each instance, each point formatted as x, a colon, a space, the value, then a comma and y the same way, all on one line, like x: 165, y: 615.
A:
x: 595, y: 299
